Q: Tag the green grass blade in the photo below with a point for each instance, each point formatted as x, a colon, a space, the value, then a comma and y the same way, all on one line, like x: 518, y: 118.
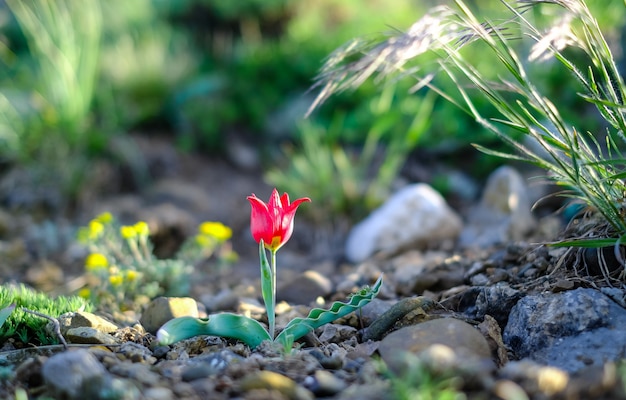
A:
x: 593, y: 243
x: 228, y: 325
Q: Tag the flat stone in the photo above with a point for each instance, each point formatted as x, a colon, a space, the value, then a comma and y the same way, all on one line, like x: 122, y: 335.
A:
x: 86, y: 335
x: 163, y: 309
x: 85, y: 319
x: 274, y: 381
x: 465, y: 341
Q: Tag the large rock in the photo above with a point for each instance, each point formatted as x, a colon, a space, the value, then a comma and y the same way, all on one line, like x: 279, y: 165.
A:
x: 504, y: 211
x: 560, y: 329
x: 163, y: 309
x: 68, y: 374
x: 462, y: 344
x: 415, y: 216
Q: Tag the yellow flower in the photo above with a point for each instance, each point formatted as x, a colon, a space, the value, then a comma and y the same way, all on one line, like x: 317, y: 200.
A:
x: 116, y: 280
x: 85, y: 293
x: 215, y: 229
x: 96, y: 261
x: 141, y: 228
x: 128, y: 232
x: 104, y: 218
x: 96, y: 228
x: 131, y: 275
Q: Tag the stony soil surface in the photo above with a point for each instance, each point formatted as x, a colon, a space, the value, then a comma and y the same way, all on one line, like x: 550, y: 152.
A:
x: 439, y: 323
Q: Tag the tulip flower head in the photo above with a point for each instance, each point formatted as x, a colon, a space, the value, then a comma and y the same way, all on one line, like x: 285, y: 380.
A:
x: 273, y: 222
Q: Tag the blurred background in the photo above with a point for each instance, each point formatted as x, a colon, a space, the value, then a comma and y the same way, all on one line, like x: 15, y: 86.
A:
x: 82, y: 80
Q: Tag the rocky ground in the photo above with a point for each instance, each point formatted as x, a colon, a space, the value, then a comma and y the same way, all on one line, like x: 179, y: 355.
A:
x: 472, y: 304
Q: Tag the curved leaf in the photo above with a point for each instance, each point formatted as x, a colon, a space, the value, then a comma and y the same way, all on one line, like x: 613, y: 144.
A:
x: 5, y: 312
x: 229, y: 325
x: 317, y: 317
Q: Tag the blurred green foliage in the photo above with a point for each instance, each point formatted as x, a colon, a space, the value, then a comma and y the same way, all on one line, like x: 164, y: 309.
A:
x: 78, y: 73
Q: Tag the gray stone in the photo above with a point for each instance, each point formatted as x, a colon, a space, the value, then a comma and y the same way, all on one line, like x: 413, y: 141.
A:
x: 496, y: 301
x: 324, y: 384
x: 305, y: 288
x: 414, y: 216
x: 503, y: 214
x: 465, y: 342
x: 158, y: 393
x: 570, y: 330
x: 163, y: 309
x: 334, y: 333
x: 67, y: 373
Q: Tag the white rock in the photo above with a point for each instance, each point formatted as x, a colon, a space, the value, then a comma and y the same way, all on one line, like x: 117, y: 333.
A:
x: 416, y: 215
x: 503, y: 214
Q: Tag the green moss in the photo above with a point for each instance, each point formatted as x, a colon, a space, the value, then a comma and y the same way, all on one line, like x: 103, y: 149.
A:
x: 27, y: 327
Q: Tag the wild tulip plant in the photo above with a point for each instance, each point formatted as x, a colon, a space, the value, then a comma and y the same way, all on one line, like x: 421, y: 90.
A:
x: 271, y: 225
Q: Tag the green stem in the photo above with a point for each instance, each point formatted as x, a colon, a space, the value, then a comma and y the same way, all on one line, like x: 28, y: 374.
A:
x: 272, y: 319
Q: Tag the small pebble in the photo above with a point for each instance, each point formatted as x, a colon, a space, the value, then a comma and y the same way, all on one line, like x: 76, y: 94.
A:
x: 158, y: 393
x: 479, y: 280
x: 324, y: 384
x: 275, y: 381
x: 562, y: 285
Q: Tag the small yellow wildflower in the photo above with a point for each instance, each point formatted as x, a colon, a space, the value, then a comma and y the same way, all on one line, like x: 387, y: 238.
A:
x: 141, y: 228
x: 131, y: 275
x: 85, y: 293
x: 128, y: 232
x: 104, y: 218
x: 96, y: 228
x: 215, y: 229
x: 116, y: 280
x: 96, y: 261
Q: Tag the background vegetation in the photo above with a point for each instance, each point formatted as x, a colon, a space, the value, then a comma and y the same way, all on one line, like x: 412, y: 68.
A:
x: 79, y: 76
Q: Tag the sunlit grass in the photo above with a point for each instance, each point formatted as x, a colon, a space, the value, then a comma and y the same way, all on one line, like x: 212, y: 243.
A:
x: 589, y: 166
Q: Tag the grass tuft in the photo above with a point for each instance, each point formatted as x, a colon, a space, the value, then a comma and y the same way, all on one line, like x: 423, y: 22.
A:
x: 589, y: 165
x: 29, y: 328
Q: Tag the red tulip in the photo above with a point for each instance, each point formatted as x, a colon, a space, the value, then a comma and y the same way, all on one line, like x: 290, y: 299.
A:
x: 273, y: 222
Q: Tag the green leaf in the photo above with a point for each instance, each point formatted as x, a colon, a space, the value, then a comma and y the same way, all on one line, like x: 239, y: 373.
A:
x: 317, y: 317
x: 267, y: 286
x: 251, y: 332
x: 586, y: 243
x: 229, y: 325
x: 5, y: 312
